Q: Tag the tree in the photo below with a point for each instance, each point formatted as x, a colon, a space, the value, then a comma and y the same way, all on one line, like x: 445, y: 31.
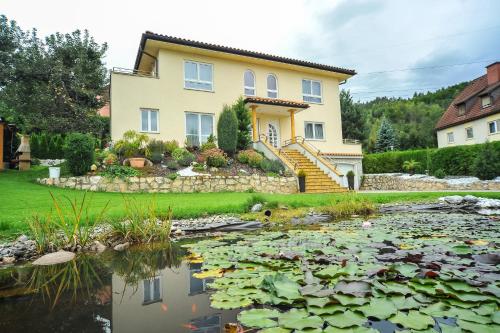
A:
x: 386, y: 139
x: 227, y: 130
x: 487, y: 163
x: 51, y: 84
x: 243, y: 115
x: 353, y: 119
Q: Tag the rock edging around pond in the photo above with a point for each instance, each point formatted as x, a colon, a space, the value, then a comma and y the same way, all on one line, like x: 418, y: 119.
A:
x: 191, y: 184
x: 406, y: 182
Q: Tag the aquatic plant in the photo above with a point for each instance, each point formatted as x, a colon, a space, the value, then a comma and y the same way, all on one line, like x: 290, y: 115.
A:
x: 408, y: 270
x: 354, y: 205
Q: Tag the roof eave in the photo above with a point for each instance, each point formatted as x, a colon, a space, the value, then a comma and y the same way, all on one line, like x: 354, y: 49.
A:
x: 463, y: 121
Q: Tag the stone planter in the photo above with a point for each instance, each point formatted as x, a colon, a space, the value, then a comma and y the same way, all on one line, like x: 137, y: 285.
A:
x: 137, y: 162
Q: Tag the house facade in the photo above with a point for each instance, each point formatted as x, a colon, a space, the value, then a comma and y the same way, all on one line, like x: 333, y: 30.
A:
x: 178, y: 88
x: 474, y: 115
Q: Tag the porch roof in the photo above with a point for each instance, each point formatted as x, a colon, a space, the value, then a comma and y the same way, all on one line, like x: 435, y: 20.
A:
x: 259, y: 101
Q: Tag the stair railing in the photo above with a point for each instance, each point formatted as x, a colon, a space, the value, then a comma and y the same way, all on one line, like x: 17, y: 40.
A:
x: 293, y: 166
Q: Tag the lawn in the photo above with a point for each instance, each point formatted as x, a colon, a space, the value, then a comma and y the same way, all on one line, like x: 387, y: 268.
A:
x: 21, y: 197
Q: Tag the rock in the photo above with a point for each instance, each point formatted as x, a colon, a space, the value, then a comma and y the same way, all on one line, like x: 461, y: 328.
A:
x: 488, y: 203
x: 256, y: 208
x: 54, y: 258
x: 99, y: 247
x: 213, y: 169
x: 243, y: 171
x: 9, y: 260
x: 122, y: 247
x: 452, y: 199
x: 178, y: 232
x: 22, y: 238
x: 471, y: 199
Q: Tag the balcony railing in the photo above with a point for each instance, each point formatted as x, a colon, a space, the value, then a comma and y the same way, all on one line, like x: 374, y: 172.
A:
x: 134, y: 72
x: 351, y: 142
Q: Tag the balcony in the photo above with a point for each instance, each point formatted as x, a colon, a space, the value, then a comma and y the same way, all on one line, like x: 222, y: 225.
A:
x: 134, y: 72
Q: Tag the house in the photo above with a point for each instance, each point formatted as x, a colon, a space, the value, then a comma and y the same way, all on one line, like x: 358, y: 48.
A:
x: 178, y: 87
x: 474, y: 115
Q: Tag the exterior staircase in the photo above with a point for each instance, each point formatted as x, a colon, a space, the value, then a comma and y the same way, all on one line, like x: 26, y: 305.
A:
x: 317, y: 181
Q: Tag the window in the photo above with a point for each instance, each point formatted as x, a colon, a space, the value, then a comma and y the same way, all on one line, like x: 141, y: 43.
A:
x: 149, y: 120
x: 450, y: 137
x: 461, y: 109
x: 311, y: 91
x: 199, y: 126
x: 152, y: 291
x: 485, y: 101
x: 314, y: 131
x: 469, y: 133
x: 198, y: 76
x: 272, y: 86
x: 494, y: 126
x: 249, y: 83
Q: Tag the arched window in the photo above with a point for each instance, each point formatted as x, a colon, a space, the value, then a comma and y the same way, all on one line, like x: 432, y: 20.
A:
x: 249, y: 83
x: 272, y: 86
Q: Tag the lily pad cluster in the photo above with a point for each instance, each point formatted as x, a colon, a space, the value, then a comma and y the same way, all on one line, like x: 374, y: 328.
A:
x: 418, y: 272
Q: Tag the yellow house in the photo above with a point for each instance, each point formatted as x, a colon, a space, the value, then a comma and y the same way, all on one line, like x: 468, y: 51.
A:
x: 178, y: 88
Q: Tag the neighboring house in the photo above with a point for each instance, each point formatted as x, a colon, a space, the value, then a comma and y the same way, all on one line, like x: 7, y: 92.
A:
x: 178, y: 88
x: 474, y: 115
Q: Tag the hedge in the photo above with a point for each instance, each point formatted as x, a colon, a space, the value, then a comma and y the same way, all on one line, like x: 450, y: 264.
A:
x: 454, y: 161
x: 44, y: 145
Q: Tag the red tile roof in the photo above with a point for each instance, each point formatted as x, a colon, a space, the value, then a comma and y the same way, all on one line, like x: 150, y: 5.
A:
x: 474, y: 110
x: 275, y: 101
x: 214, y: 47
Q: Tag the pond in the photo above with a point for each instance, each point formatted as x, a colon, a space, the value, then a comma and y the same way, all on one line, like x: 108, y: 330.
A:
x: 419, y: 272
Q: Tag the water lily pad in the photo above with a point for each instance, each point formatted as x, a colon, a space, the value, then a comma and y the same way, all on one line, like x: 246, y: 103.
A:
x: 208, y: 274
x: 359, y: 329
x: 478, y: 328
x: 346, y: 319
x: 350, y: 300
x: 354, y: 288
x: 408, y: 270
x: 413, y: 320
x: 275, y: 330
x: 258, y: 318
x: 461, y: 249
x: 449, y: 329
x: 327, y: 309
x: 381, y: 308
x: 299, y: 320
x: 282, y: 287
x: 468, y: 315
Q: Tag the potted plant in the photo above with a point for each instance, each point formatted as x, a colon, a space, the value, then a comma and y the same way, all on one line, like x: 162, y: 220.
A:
x: 350, y: 179
x: 302, y: 180
x: 133, y: 147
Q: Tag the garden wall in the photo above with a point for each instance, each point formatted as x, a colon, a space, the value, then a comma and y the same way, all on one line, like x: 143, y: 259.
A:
x: 180, y: 184
x: 405, y: 182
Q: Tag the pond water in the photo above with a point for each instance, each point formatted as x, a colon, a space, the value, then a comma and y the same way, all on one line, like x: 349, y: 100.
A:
x: 396, y: 271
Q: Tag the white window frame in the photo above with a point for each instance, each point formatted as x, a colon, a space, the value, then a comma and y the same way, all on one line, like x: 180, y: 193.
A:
x: 151, y: 300
x: 320, y: 96
x: 198, y: 63
x: 149, y: 111
x: 199, y: 115
x: 272, y: 90
x: 459, y: 108
x: 452, y: 137
x: 483, y: 106
x: 497, y: 123
x: 466, y: 133
x: 245, y: 87
x: 314, y: 123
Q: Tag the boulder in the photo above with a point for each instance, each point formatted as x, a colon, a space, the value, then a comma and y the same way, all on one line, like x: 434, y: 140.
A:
x: 99, y: 247
x: 54, y: 258
x: 471, y: 199
x: 256, y: 208
x: 452, y: 199
x: 22, y: 238
x: 9, y: 260
x: 122, y: 247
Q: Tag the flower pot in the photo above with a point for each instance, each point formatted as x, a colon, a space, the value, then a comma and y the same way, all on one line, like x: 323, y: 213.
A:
x: 54, y: 172
x: 302, y: 183
x: 137, y: 162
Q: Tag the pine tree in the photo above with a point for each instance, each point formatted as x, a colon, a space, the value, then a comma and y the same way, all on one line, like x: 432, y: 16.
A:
x: 243, y: 115
x: 487, y: 163
x: 353, y: 119
x: 227, y: 130
x: 386, y: 138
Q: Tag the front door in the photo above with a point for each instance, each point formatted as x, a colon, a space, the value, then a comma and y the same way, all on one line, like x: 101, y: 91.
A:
x: 273, y: 135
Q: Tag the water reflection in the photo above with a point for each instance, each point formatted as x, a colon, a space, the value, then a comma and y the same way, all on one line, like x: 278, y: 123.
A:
x: 149, y: 289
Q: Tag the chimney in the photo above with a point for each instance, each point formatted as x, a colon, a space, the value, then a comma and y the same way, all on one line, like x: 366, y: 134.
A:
x: 493, y: 73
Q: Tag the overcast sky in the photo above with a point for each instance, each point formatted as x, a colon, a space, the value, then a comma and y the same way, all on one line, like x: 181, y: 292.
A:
x: 379, y: 39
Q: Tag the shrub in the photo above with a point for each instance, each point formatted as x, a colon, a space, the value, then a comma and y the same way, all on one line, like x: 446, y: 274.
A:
x: 79, y: 153
x: 172, y: 176
x: 47, y: 146
x: 487, y: 162
x: 170, y: 146
x: 199, y: 167
x: 244, y: 121
x: 227, y: 130
x: 411, y: 166
x: 172, y: 165
x: 439, y: 173
x: 214, y: 157
x: 119, y: 171
x: 243, y: 156
x: 393, y: 161
x: 255, y: 159
x: 110, y: 159
x: 183, y: 156
x: 208, y: 145
x: 272, y: 166
x: 155, y: 150
x: 133, y: 144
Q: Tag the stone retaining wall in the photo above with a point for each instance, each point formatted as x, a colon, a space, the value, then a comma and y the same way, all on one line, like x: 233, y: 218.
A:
x: 180, y: 184
x: 405, y: 182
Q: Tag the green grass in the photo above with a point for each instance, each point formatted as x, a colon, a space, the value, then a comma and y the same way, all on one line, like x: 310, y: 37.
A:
x: 21, y: 197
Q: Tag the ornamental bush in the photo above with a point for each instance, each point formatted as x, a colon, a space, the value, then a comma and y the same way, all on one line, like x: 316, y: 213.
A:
x: 44, y: 145
x: 273, y: 166
x: 79, y: 153
x: 255, y: 159
x: 183, y: 156
x: 214, y: 157
x: 170, y: 146
x: 487, y: 162
x: 227, y: 130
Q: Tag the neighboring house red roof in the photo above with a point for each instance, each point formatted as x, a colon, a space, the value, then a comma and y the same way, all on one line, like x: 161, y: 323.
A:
x: 471, y: 97
x: 214, y: 47
x: 104, y: 111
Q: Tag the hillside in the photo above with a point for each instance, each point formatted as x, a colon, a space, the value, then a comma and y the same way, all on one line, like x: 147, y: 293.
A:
x: 413, y: 118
